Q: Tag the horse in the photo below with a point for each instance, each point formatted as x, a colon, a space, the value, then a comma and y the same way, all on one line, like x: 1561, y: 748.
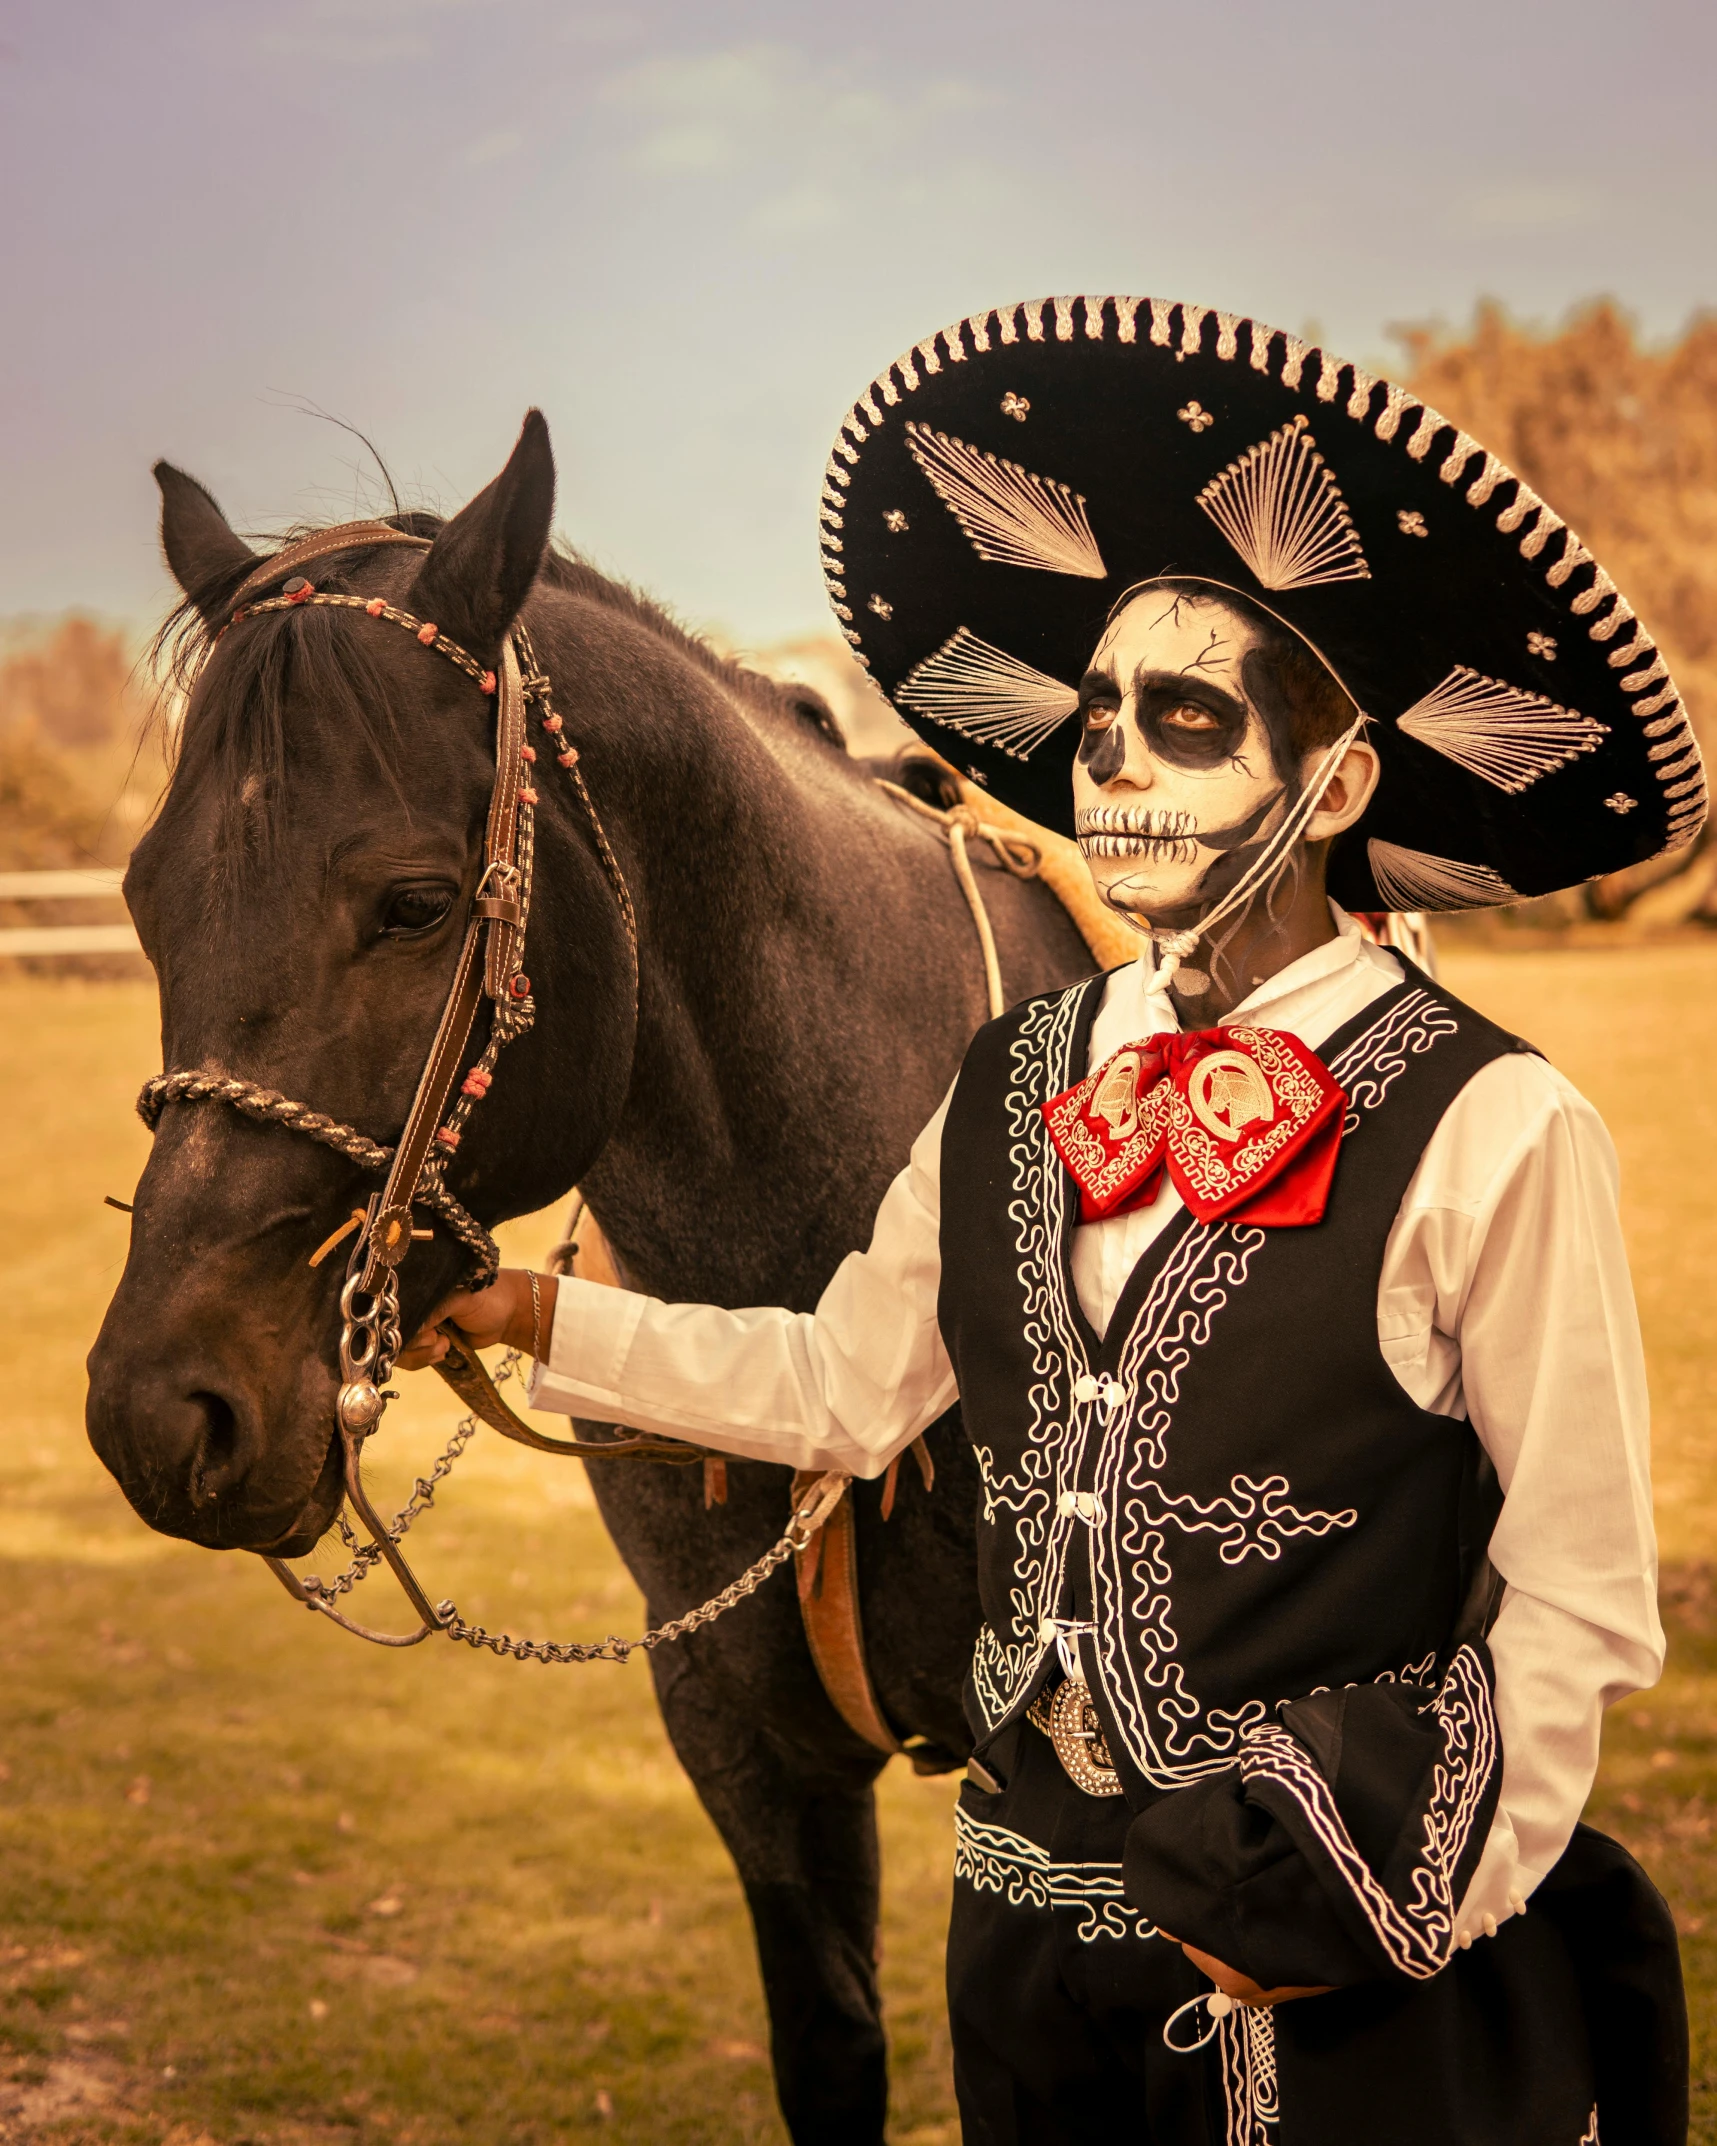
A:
x: 807, y: 979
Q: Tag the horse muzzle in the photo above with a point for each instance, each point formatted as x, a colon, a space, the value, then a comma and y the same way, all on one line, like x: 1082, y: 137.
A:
x: 204, y: 1452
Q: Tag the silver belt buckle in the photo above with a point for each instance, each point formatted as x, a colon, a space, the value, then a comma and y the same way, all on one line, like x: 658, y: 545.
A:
x: 1068, y: 1718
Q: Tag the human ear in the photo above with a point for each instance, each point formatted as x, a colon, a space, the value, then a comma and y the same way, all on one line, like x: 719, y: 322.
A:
x: 1348, y: 791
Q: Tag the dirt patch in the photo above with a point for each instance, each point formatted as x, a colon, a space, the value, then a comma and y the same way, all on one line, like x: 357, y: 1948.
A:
x: 72, y: 2087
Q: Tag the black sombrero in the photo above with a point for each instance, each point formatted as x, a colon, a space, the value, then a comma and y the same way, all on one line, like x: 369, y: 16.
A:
x: 994, y: 492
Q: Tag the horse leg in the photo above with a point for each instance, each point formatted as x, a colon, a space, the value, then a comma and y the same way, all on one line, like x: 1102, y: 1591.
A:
x: 803, y: 1838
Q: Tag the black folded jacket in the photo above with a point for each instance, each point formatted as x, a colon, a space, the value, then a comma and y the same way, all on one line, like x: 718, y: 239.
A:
x: 1339, y: 1847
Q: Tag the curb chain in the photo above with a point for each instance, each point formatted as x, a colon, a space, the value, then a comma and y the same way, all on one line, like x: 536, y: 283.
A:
x: 808, y: 1516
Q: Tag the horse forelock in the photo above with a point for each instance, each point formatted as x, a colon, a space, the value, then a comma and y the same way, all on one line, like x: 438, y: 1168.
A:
x: 235, y: 684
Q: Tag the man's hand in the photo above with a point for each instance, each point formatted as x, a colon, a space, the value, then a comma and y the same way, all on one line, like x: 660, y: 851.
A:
x: 1241, y: 1987
x: 486, y: 1319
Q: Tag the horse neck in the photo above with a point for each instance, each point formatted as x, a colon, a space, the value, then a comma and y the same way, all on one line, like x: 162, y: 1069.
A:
x: 777, y: 953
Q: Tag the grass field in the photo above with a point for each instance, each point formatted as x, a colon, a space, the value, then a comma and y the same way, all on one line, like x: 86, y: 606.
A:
x: 258, y: 1883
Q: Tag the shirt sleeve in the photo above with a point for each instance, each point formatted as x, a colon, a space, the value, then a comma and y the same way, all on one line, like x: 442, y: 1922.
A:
x: 846, y: 1386
x: 1506, y: 1296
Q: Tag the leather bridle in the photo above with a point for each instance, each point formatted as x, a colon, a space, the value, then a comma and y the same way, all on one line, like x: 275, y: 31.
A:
x: 490, y: 965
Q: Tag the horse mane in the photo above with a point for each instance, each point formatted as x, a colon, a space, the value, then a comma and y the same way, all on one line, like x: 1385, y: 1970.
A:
x: 235, y: 751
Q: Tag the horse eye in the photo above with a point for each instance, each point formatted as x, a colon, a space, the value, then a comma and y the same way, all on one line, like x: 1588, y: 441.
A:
x: 417, y: 908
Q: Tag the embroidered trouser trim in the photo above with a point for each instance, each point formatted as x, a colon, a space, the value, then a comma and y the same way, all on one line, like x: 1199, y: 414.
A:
x: 994, y: 1860
x: 1059, y: 1990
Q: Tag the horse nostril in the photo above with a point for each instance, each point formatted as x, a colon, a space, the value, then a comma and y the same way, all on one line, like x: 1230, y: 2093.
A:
x: 215, y: 1464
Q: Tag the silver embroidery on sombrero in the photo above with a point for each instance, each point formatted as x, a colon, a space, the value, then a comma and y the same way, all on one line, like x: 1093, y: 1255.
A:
x: 1418, y: 1933
x: 1414, y: 879
x: 986, y: 694
x: 1507, y: 736
x: 994, y: 1859
x: 1013, y: 517
x: 1391, y: 412
x: 1282, y: 510
x: 1003, y: 1664
x: 1172, y: 1735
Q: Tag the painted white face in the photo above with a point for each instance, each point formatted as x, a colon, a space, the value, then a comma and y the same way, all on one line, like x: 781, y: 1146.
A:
x: 1174, y: 785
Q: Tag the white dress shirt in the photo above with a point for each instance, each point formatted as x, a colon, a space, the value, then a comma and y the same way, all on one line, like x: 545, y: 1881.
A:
x: 1504, y: 1297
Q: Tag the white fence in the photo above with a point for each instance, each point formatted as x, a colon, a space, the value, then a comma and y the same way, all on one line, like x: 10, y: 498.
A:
x: 96, y: 884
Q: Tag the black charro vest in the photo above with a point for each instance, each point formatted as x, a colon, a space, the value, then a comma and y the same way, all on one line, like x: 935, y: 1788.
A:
x: 1262, y: 1511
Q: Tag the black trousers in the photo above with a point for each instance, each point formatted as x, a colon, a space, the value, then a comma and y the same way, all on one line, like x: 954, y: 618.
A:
x: 1059, y: 1994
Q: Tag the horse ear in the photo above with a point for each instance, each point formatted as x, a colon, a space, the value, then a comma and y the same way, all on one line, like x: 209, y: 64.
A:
x: 206, y: 558
x: 480, y: 568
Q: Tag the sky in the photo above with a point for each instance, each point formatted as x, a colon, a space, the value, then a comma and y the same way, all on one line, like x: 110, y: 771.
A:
x: 692, y: 230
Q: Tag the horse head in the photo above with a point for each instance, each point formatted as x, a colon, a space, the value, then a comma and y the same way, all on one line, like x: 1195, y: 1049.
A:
x: 303, y: 895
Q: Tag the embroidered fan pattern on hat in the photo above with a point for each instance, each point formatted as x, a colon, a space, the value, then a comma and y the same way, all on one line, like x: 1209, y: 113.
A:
x: 984, y: 693
x: 1283, y: 512
x: 1500, y: 732
x: 1013, y: 517
x: 1413, y: 879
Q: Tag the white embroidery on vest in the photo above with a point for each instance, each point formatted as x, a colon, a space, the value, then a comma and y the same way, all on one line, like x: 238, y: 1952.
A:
x: 1172, y: 1735
x: 1003, y: 1664
x: 1371, y: 1065
x: 1253, y: 1517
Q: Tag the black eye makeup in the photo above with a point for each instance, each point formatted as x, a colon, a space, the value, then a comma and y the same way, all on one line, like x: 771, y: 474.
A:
x: 1188, y: 722
x: 1103, y: 744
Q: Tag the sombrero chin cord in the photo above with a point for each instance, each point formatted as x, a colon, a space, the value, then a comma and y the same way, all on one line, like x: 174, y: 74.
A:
x: 1173, y: 947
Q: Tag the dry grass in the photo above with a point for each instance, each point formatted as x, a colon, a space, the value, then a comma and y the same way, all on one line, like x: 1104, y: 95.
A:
x: 257, y: 1883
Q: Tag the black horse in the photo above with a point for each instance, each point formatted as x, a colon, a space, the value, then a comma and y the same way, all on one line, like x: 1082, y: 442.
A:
x: 809, y: 978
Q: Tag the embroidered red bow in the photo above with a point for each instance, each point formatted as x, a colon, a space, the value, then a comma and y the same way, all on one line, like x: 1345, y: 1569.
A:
x: 1246, y: 1121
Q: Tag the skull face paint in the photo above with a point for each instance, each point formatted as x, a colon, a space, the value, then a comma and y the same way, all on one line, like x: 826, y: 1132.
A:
x: 1179, y: 777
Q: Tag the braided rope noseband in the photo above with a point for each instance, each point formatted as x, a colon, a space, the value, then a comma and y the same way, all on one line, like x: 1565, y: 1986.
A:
x: 267, y: 1106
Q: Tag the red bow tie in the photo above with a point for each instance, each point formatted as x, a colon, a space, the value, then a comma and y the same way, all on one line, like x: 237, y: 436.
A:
x: 1246, y: 1121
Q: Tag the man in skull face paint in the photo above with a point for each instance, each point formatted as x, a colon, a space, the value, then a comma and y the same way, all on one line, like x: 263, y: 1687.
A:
x: 1283, y: 1296
x: 1202, y: 721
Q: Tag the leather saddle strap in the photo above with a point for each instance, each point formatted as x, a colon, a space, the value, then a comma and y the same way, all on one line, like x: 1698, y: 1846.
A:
x: 827, y: 1573
x: 349, y: 536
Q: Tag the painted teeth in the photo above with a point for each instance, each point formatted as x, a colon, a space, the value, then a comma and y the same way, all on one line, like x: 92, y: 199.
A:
x: 1178, y: 848
x: 1125, y: 831
x: 1129, y: 820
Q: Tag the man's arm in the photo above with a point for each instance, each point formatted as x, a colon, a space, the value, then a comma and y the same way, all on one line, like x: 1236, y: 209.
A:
x: 1512, y: 1225
x: 846, y: 1386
